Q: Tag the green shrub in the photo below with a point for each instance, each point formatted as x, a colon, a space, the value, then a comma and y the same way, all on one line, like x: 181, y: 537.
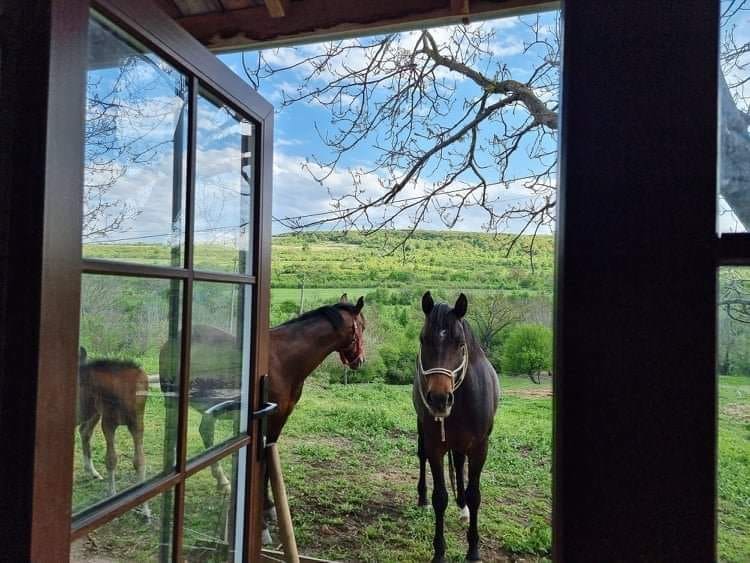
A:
x: 528, y: 349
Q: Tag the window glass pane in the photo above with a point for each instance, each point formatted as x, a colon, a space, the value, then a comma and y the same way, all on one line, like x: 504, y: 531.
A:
x: 135, y: 153
x: 224, y: 177
x: 734, y: 414
x: 219, y: 364
x: 125, y: 323
x: 214, y: 518
x: 734, y: 118
x: 134, y: 536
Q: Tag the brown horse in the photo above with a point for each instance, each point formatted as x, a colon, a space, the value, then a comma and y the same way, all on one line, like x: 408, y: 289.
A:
x: 114, y: 391
x: 297, y: 347
x: 455, y: 395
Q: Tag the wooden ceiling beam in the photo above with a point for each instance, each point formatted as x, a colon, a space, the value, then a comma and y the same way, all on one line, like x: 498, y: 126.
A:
x: 276, y: 8
x: 460, y: 7
x: 320, y: 20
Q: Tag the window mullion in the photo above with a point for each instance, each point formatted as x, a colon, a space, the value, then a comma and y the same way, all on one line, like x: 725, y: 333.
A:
x: 187, y: 321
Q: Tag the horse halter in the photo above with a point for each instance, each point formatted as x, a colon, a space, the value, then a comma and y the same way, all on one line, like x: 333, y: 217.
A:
x: 457, y: 377
x: 355, y: 344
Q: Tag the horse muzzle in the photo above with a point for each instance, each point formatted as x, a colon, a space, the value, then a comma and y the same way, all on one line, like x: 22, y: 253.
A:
x: 357, y: 362
x: 440, y: 403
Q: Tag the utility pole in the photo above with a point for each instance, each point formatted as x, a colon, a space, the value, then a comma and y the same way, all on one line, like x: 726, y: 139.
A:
x: 302, y: 296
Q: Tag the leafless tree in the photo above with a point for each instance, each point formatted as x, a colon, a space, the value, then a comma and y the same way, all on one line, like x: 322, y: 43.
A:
x: 734, y: 298
x: 490, y: 316
x: 434, y: 149
x: 396, y: 95
x: 122, y: 115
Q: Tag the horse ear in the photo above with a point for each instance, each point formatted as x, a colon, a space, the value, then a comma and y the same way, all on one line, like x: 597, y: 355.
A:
x: 82, y: 355
x: 344, y: 298
x: 359, y: 305
x: 461, y: 305
x: 427, y: 303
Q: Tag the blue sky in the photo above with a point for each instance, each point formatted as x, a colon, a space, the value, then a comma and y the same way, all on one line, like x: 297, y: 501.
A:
x: 297, y: 193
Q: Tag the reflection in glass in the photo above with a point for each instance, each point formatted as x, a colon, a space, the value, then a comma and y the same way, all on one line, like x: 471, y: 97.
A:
x: 734, y: 116
x: 224, y: 175
x: 219, y: 365
x: 122, y: 411
x: 130, y: 537
x: 213, y: 522
x: 734, y: 414
x: 135, y: 153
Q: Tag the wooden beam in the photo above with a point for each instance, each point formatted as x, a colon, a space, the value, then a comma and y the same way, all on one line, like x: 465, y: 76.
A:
x: 320, y: 20
x: 276, y: 8
x: 460, y: 7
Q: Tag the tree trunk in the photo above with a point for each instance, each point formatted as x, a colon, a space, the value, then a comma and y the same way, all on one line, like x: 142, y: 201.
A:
x: 734, y: 157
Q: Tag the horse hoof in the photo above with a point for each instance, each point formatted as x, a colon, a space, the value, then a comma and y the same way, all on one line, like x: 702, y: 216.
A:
x: 422, y: 503
x: 265, y: 537
x: 145, y: 511
x: 473, y: 557
x: 269, y: 514
x: 94, y: 474
x: 464, y: 517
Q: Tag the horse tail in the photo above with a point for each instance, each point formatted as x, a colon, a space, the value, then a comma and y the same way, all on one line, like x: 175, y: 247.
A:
x: 452, y: 473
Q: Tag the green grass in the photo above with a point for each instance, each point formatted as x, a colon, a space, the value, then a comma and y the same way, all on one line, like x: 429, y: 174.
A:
x: 351, y: 471
x: 734, y: 469
x: 349, y: 461
x: 317, y: 294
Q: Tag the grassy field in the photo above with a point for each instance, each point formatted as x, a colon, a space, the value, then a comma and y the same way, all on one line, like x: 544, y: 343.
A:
x: 350, y: 466
x: 734, y: 469
x: 351, y: 471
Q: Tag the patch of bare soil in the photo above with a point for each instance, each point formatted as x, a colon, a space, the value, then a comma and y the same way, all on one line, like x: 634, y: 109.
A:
x: 84, y: 550
x: 737, y: 411
x: 529, y: 393
x: 343, y: 529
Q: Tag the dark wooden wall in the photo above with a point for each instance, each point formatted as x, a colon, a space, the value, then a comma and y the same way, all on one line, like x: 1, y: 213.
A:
x: 635, y: 412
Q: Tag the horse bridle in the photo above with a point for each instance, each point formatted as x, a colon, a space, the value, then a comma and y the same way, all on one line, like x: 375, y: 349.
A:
x: 457, y: 377
x: 353, y: 344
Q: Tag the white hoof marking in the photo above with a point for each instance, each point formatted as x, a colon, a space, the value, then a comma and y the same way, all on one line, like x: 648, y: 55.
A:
x: 464, y: 517
x: 265, y: 537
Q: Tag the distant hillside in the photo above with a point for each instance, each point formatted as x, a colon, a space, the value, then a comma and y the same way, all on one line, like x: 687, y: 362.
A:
x: 430, y: 259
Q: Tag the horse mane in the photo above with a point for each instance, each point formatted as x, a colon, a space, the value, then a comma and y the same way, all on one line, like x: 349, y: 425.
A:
x: 332, y: 313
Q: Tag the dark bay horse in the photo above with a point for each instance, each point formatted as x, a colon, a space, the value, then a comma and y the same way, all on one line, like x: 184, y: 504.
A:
x: 455, y: 394
x: 297, y: 347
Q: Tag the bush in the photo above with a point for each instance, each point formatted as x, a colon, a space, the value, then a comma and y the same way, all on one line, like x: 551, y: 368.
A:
x: 370, y: 372
x: 527, y: 350
x: 398, y: 363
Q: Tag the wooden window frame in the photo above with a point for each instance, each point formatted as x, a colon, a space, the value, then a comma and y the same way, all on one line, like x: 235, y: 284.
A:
x: 635, y: 418
x: 49, y: 532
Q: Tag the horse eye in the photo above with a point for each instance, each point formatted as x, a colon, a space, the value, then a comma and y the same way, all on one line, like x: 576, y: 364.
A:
x: 443, y: 334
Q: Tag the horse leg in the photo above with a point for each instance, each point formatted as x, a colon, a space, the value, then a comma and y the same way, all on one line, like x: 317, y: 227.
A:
x: 139, y: 459
x: 439, y: 504
x: 108, y: 427
x: 269, y: 509
x: 458, y: 465
x: 206, y: 429
x: 422, y: 484
x: 473, y: 498
x: 86, y: 430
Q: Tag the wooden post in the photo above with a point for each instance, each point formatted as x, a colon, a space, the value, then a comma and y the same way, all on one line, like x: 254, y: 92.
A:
x: 286, y: 530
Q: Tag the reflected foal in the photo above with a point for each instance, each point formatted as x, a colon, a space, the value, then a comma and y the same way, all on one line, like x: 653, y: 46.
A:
x: 114, y: 391
x: 455, y: 395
